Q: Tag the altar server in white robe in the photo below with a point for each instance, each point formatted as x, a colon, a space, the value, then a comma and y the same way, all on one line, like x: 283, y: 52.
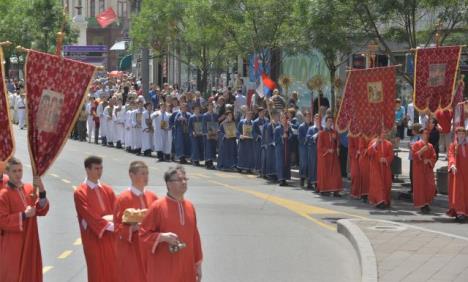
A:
x: 162, y: 133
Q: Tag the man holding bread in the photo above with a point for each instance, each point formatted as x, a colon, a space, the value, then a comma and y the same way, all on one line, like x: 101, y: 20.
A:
x: 169, y: 231
x: 130, y: 208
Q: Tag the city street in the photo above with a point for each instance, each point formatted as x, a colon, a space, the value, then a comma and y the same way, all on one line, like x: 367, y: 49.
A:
x: 251, y: 230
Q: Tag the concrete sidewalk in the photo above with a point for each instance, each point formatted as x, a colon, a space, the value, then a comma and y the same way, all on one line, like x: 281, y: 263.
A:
x: 390, y: 251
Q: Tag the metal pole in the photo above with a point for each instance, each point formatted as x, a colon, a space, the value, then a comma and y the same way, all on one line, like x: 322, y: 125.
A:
x: 145, y: 72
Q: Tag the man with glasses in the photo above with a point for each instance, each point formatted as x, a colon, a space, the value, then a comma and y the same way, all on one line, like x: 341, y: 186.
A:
x: 169, y: 231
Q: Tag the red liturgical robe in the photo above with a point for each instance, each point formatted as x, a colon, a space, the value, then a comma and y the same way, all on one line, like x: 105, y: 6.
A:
x: 98, y: 242
x: 4, y: 181
x: 424, y: 188
x: 364, y: 172
x: 20, y: 251
x: 353, y: 152
x: 380, y: 180
x: 458, y: 182
x: 130, y: 265
x: 328, y: 164
x: 169, y: 215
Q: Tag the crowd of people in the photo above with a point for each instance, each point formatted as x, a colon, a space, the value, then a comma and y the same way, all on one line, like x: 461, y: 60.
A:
x: 135, y: 236
x: 269, y: 136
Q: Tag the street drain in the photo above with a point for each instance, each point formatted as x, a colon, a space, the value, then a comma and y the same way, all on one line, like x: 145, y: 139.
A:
x: 387, y: 228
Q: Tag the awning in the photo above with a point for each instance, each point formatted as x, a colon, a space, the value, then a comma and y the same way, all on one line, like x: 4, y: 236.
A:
x: 119, y: 46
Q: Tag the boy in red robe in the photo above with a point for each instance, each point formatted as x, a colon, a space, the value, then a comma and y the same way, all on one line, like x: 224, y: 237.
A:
x: 380, y: 153
x: 328, y: 163
x: 458, y: 179
x: 170, y: 231
x: 424, y: 158
x: 20, y: 250
x: 94, y: 203
x: 130, y: 265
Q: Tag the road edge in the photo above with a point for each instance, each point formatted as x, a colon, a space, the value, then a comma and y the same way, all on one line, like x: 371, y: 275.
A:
x: 363, y: 248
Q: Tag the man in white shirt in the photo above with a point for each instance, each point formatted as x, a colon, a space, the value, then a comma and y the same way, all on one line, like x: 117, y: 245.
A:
x: 90, y: 118
x: 21, y: 108
x: 238, y: 103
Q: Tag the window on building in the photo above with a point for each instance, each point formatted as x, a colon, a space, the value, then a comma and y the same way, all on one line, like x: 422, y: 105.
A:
x: 102, y: 5
x: 122, y: 8
x: 92, y: 8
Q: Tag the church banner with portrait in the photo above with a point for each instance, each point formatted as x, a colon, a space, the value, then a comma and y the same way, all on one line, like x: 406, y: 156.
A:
x: 7, y: 142
x: 56, y: 88
x: 435, y: 77
x: 368, y: 104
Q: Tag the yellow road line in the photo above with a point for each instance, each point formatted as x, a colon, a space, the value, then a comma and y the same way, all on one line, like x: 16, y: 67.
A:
x: 77, y: 242
x: 65, y: 254
x: 225, y: 175
x: 299, y: 208
x: 251, y: 176
x: 54, y: 175
x: 201, y: 175
x: 45, y: 269
x: 66, y: 181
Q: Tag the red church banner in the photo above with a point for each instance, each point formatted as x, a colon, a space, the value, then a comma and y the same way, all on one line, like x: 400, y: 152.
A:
x: 368, y: 104
x: 56, y: 89
x: 435, y: 77
x: 7, y: 142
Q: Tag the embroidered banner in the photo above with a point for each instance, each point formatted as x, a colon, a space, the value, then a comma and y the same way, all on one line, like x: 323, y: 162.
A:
x: 56, y: 89
x: 368, y: 103
x: 7, y: 142
x: 435, y: 77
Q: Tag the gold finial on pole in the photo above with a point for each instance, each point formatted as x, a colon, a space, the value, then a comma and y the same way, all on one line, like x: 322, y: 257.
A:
x: 438, y: 34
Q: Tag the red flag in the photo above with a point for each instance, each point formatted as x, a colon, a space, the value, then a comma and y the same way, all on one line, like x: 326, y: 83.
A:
x: 435, y: 77
x: 368, y: 103
x: 56, y: 89
x: 7, y: 143
x: 106, y: 17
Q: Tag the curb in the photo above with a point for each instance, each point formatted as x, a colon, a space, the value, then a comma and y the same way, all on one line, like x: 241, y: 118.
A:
x: 363, y: 248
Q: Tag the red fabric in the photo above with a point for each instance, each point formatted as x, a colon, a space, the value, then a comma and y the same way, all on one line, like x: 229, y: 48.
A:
x: 268, y: 82
x: 424, y: 188
x: 168, y: 215
x: 353, y: 153
x: 380, y: 180
x: 20, y: 258
x: 106, y: 17
x: 435, y: 74
x: 4, y: 181
x: 328, y: 164
x: 368, y: 102
x: 444, y: 117
x: 130, y: 265
x: 458, y: 182
x: 98, y: 244
x: 6, y: 134
x: 56, y: 88
x: 360, y: 168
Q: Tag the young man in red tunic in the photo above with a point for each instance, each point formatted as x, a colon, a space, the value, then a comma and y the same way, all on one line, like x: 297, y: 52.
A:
x: 94, y: 203
x: 20, y: 250
x: 458, y: 179
x: 424, y: 158
x: 380, y: 153
x: 170, y: 231
x: 328, y: 163
x: 130, y: 265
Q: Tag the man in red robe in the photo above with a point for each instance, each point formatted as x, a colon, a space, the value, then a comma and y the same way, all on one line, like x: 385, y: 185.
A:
x: 424, y: 158
x: 94, y: 203
x: 458, y: 179
x: 380, y: 152
x: 353, y: 153
x: 169, y: 230
x: 328, y: 163
x: 20, y: 250
x: 130, y: 265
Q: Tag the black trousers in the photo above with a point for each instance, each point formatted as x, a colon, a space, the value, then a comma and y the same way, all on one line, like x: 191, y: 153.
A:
x: 344, y: 160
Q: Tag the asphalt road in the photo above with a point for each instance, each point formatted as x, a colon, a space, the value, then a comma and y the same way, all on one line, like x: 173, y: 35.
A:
x: 251, y: 230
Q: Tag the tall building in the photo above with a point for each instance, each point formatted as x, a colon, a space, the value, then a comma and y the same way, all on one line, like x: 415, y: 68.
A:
x: 83, y: 14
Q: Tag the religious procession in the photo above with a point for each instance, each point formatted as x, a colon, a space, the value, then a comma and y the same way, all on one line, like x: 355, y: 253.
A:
x: 212, y: 140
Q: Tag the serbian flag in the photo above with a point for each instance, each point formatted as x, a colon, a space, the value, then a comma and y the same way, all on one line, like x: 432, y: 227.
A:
x: 7, y: 142
x: 56, y: 88
x: 105, y: 18
x: 435, y: 77
x: 368, y: 104
x: 266, y: 86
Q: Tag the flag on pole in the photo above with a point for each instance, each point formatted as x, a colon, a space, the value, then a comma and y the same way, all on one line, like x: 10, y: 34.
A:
x: 7, y: 142
x: 435, y: 77
x: 105, y: 18
x: 56, y: 88
x: 368, y: 102
x: 266, y: 86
